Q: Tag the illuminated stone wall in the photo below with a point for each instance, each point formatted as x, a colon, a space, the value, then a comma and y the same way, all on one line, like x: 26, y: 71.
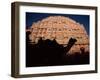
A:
x: 61, y: 29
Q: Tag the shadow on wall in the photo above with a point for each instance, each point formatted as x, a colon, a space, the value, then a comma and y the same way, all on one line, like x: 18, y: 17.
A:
x: 50, y: 53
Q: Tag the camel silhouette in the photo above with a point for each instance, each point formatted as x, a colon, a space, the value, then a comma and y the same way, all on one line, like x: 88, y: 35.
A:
x: 46, y: 52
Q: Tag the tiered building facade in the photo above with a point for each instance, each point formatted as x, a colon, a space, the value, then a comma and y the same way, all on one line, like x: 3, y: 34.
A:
x: 61, y: 29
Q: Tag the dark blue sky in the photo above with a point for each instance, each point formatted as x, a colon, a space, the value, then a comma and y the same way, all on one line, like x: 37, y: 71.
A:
x: 34, y: 17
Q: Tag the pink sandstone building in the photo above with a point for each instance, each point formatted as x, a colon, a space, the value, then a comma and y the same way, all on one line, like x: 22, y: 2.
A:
x: 61, y: 29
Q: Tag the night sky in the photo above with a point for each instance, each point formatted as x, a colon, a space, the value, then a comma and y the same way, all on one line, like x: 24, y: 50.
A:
x: 34, y: 17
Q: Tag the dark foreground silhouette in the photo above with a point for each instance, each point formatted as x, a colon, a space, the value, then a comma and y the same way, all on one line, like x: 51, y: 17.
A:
x: 50, y: 53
